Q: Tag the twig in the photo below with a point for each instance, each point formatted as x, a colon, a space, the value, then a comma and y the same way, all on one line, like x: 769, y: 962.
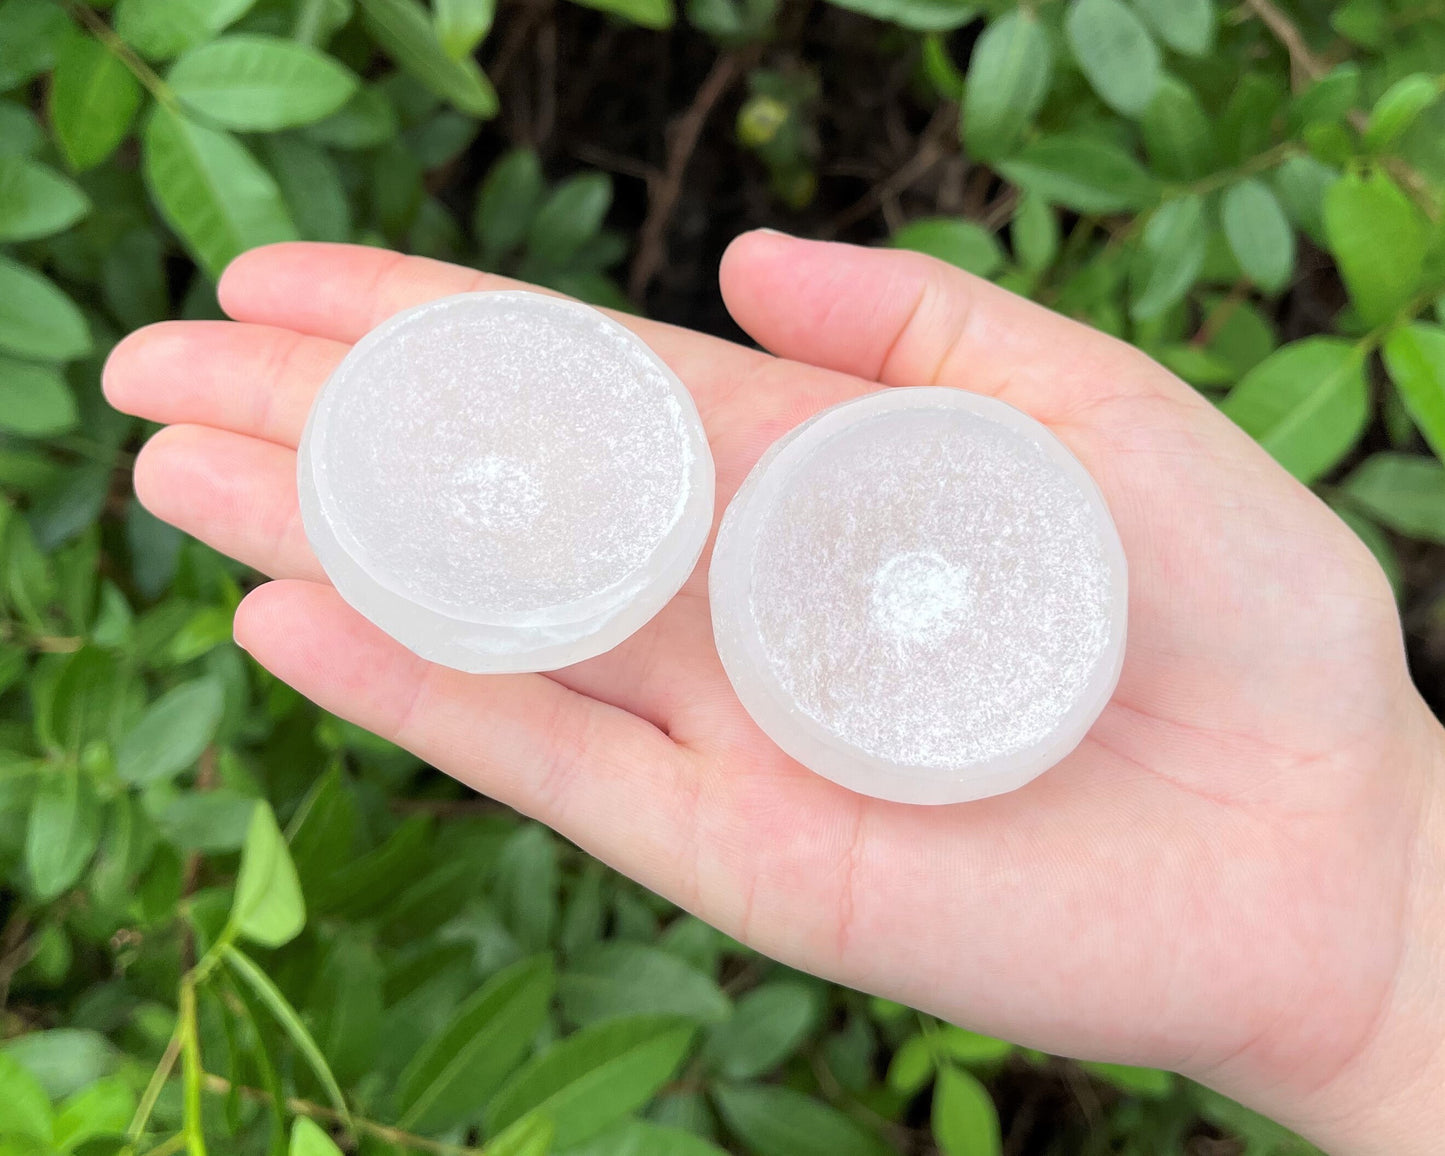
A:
x: 220, y: 1086
x: 1303, y: 61
x: 601, y: 158
x: 929, y: 151
x: 663, y: 193
x: 15, y: 952
x: 123, y: 52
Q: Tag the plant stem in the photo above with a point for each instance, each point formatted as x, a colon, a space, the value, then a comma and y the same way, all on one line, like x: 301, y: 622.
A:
x: 220, y: 1086
x: 152, y: 1091
x: 1255, y: 164
x: 191, y: 1071
x: 123, y: 52
x: 175, y: 1144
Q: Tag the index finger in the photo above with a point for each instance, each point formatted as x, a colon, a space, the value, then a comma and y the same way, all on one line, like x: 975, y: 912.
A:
x: 341, y: 292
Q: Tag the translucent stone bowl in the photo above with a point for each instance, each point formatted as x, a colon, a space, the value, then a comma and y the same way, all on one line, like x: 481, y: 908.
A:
x: 505, y: 481
x: 920, y: 595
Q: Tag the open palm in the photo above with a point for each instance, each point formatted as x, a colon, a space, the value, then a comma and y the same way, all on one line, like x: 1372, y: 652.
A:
x: 1218, y: 880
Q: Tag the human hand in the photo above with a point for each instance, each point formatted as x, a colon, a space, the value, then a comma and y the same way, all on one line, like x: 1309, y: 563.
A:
x: 1236, y: 875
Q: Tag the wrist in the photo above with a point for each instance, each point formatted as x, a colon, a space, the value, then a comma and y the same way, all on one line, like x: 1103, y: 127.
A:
x: 1389, y: 1100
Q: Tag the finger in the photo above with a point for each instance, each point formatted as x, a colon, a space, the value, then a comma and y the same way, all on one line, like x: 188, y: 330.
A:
x: 260, y: 379
x: 341, y: 292
x: 251, y: 379
x: 903, y: 318
x: 238, y: 495
x: 235, y: 493
x: 579, y: 764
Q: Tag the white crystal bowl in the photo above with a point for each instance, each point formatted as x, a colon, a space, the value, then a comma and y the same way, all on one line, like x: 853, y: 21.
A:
x: 505, y: 481
x: 920, y: 595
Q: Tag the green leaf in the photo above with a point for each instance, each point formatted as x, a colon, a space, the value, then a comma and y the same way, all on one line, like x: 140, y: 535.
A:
x: 1328, y: 100
x: 590, y: 1080
x: 211, y: 190
x: 569, y: 218
x: 457, y: 1070
x: 1081, y: 173
x: 1008, y: 78
x: 20, y: 134
x: 33, y: 33
x: 1187, y: 26
x: 919, y: 15
x: 1405, y: 492
x: 963, y: 243
x: 1246, y: 126
x: 1415, y: 357
x: 644, y: 1138
x: 268, y: 908
x: 308, y: 1139
x: 529, y: 1136
x: 1115, y: 52
x: 1306, y: 403
x: 777, y: 1121
x: 24, y: 1106
x: 1301, y: 183
x: 656, y: 14
x: 36, y: 201
x: 912, y: 1066
x: 769, y: 1024
x: 261, y: 83
x: 212, y: 821
x: 1259, y: 234
x: 608, y: 980
x: 102, y: 1109
x: 1171, y: 256
x: 405, y: 33
x: 270, y: 995
x: 507, y: 203
x: 346, y: 1006
x: 311, y: 186
x: 1379, y: 239
x: 93, y: 99
x: 1177, y: 133
x: 63, y: 833
x: 462, y: 24
x: 1398, y: 107
x: 64, y: 1060
x: 1366, y: 22
x: 969, y: 1047
x: 35, y: 400
x: 1150, y: 1083
x: 1034, y: 234
x: 965, y: 1122
x: 36, y: 320
x: 366, y: 121
x: 172, y: 733
x: 160, y: 29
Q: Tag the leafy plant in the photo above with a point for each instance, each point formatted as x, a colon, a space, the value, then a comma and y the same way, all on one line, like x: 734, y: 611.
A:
x: 230, y: 922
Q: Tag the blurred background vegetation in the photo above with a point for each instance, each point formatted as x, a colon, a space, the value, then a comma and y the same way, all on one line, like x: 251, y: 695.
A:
x: 232, y: 923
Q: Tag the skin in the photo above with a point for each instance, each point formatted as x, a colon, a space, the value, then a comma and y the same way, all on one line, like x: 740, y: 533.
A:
x: 1237, y: 875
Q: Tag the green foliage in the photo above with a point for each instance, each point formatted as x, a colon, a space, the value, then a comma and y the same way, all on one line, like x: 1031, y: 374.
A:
x: 234, y: 923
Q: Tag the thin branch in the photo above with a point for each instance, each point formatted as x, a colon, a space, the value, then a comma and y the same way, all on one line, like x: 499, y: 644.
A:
x: 220, y: 1086
x: 123, y: 52
x: 1303, y: 62
x: 929, y: 151
x: 663, y: 193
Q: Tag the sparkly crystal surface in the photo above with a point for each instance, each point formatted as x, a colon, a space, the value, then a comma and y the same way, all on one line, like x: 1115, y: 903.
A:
x: 505, y: 481
x: 921, y: 595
